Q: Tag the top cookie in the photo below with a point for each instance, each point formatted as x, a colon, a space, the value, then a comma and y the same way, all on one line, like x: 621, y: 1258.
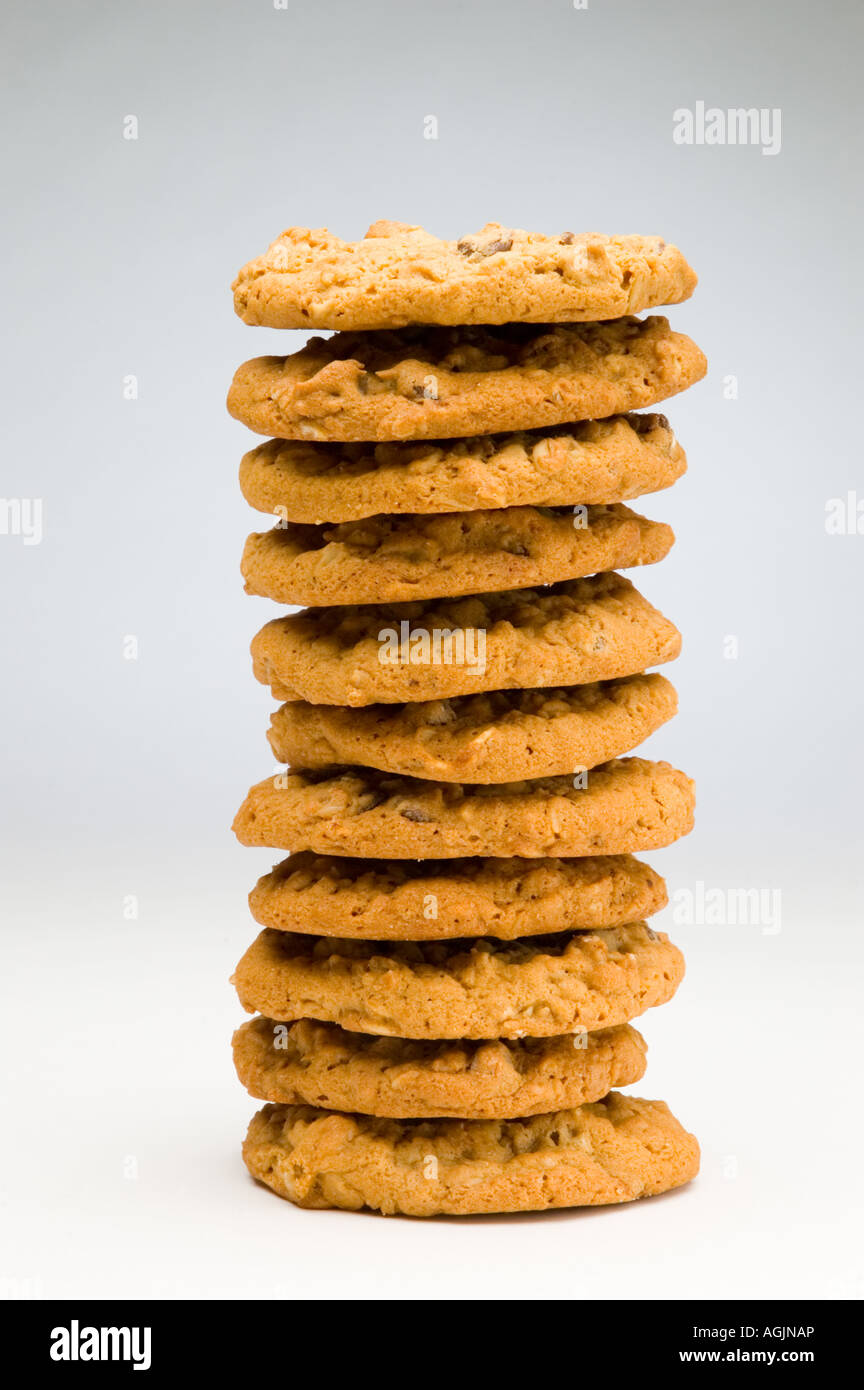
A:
x: 400, y: 274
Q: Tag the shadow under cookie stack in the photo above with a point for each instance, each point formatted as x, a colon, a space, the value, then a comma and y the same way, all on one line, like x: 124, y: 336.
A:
x: 453, y: 952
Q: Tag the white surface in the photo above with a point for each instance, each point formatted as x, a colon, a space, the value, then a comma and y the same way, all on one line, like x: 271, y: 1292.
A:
x: 758, y: 1054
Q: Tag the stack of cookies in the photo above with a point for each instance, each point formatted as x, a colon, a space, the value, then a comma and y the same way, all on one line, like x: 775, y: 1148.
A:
x: 454, y: 948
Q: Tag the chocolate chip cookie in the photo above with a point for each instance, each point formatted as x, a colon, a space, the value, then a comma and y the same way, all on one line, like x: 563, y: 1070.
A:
x: 389, y: 559
x: 573, y: 633
x: 615, y: 1150
x: 443, y: 899
x: 309, y: 1063
x: 400, y: 274
x: 592, y: 462
x: 479, y: 988
x: 502, y: 736
x: 434, y: 383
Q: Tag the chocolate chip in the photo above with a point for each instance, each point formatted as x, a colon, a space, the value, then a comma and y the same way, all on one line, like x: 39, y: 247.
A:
x: 415, y: 813
x: 469, y: 247
x: 643, y: 423
x: 492, y: 247
x: 567, y: 238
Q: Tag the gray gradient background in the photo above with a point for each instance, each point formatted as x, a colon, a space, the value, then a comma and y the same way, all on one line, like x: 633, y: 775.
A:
x: 122, y: 777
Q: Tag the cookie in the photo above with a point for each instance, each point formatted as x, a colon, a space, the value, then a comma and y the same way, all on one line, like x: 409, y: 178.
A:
x: 503, y: 736
x: 400, y: 274
x: 434, y: 383
x: 389, y: 559
x: 477, y: 988
x: 626, y: 805
x: 615, y: 1150
x: 595, y: 461
x: 406, y: 900
x: 570, y: 634
x: 308, y: 1063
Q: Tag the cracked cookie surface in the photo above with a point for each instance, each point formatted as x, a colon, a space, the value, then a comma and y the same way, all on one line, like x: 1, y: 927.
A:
x: 593, y: 462
x: 615, y: 1150
x: 442, y: 899
x: 394, y: 559
x: 309, y: 1063
x: 401, y: 274
x: 476, y: 988
x: 573, y: 633
x: 502, y: 736
x: 624, y: 806
x: 435, y: 383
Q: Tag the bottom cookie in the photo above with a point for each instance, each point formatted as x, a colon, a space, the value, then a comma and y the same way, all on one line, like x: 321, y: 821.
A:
x: 614, y: 1150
